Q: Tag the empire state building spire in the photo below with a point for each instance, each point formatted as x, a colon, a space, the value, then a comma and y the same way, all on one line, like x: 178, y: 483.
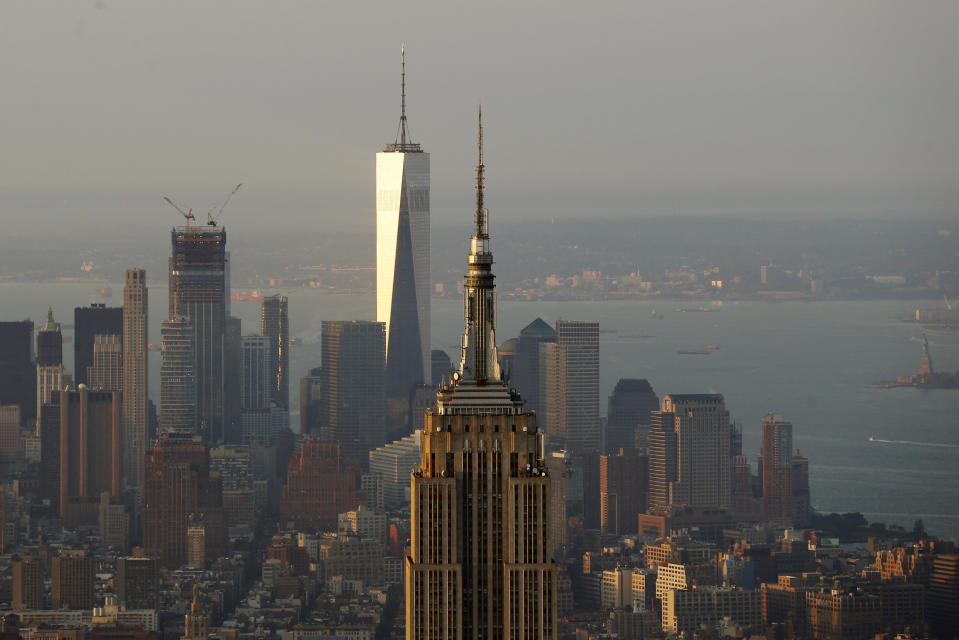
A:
x: 479, y: 361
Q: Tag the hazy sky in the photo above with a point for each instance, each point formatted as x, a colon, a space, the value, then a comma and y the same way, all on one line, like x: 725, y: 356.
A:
x: 592, y: 108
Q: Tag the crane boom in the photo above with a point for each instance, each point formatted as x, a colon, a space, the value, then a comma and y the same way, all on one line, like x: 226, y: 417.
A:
x: 211, y: 218
x: 189, y: 216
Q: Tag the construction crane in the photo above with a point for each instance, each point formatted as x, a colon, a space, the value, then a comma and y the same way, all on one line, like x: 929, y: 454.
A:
x: 210, y: 218
x: 189, y: 216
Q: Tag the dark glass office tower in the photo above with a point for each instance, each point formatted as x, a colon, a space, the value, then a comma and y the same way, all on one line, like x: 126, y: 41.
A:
x: 275, y: 323
x: 88, y: 322
x: 17, y: 368
x: 198, y: 291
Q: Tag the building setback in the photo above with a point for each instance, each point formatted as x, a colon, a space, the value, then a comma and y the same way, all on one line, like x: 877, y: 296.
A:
x: 480, y: 562
x: 89, y: 322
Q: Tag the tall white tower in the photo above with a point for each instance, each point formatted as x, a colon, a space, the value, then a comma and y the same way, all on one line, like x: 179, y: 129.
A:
x: 403, y: 256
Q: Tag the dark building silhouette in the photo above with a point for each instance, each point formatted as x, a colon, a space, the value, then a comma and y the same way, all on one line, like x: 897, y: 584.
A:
x: 622, y: 488
x: 628, y: 415
x: 71, y: 580
x: 525, y: 375
x: 232, y: 379
x: 275, y: 323
x: 90, y: 452
x: 311, y: 401
x: 353, y: 386
x: 178, y: 388
x: 440, y: 366
x: 198, y: 291
x: 135, y: 386
x: 17, y: 368
x: 49, y: 343
x: 88, y: 322
x: 320, y: 485
x: 943, y: 596
x: 180, y: 491
x: 138, y: 582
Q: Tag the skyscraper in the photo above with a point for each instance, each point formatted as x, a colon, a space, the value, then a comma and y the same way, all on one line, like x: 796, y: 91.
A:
x: 17, y: 368
x: 480, y: 563
x: 352, y: 387
x: 178, y: 411
x: 275, y: 324
x: 776, y: 469
x: 71, y: 580
x: 569, y: 385
x: 689, y: 453
x: 179, y: 491
x: 89, y: 322
x: 627, y: 423
x: 622, y: 490
x: 198, y: 291
x: 134, y: 375
x: 90, y: 452
x: 106, y: 372
x: 51, y: 374
x: 403, y: 257
x: 526, y: 374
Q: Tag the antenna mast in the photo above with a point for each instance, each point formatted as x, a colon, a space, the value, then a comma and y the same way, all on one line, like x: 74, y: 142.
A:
x: 480, y: 169
x: 403, y: 95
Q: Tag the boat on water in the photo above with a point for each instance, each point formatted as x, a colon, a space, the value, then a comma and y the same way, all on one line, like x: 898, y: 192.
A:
x: 694, y: 352
x: 635, y: 335
x: 656, y: 316
x: 699, y: 310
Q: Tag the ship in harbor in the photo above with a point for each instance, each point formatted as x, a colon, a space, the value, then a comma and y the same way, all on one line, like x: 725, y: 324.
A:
x: 704, y: 351
x: 927, y: 378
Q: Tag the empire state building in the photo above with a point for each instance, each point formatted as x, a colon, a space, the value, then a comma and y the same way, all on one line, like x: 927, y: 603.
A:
x: 480, y: 563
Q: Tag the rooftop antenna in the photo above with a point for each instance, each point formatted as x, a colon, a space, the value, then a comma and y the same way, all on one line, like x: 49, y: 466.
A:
x: 403, y: 135
x: 189, y: 216
x: 481, y: 229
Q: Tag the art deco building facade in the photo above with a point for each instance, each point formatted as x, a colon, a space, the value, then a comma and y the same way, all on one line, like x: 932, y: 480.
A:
x: 480, y: 561
x: 403, y: 258
x: 198, y: 291
x: 51, y: 374
x: 134, y: 375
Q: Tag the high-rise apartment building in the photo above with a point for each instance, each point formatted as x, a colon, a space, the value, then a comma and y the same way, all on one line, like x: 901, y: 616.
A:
x: 776, y: 469
x: 106, y: 372
x: 17, y: 368
x: 569, y: 385
x: 352, y: 388
x: 90, y: 452
x: 628, y: 415
x: 403, y: 258
x: 89, y: 322
x: 480, y: 564
x: 198, y: 291
x: 275, y: 324
x: 180, y: 492
x: 689, y: 453
x: 10, y: 446
x: 135, y: 410
x: 393, y: 462
x: 178, y: 408
x: 71, y: 580
x: 51, y: 375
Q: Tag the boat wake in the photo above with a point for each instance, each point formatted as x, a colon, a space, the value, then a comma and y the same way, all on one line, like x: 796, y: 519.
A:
x: 915, y: 443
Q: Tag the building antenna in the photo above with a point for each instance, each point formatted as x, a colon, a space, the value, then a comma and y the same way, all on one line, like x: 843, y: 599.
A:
x: 480, y: 178
x: 403, y: 134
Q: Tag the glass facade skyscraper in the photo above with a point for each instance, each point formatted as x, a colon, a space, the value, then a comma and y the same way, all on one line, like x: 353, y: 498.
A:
x: 403, y: 259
